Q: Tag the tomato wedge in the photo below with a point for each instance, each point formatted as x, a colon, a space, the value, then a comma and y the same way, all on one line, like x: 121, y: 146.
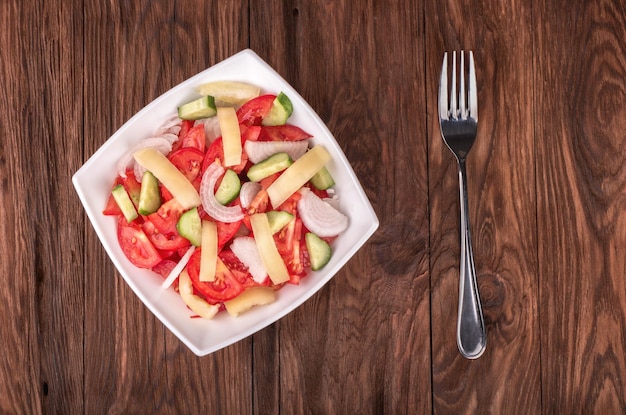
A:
x: 164, y: 241
x: 132, y: 186
x: 253, y: 111
x: 224, y: 288
x: 167, y: 216
x: 185, y: 126
x: 216, y: 151
x: 136, y: 245
x: 285, y: 132
x: 189, y: 161
x: 195, y: 138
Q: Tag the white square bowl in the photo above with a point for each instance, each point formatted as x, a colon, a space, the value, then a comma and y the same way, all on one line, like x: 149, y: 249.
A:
x: 94, y: 179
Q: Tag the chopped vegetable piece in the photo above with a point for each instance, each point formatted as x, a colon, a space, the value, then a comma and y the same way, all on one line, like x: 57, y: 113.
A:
x: 194, y: 302
x: 297, y: 175
x: 150, y: 195
x: 319, y: 251
x: 282, y: 108
x: 228, y: 189
x: 189, y: 226
x: 200, y: 108
x: 123, y: 201
x: 273, y: 164
x: 208, y: 255
x: 272, y: 261
x: 231, y: 135
x: 169, y: 176
x: 249, y: 298
x: 229, y: 92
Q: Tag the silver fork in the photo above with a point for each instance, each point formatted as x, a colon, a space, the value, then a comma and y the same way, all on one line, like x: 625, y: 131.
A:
x: 459, y: 123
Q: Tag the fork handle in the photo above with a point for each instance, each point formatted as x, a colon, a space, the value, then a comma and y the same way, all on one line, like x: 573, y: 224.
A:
x: 471, y: 335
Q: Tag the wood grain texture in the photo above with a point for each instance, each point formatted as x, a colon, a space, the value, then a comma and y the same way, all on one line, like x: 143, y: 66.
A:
x: 581, y: 181
x: 501, y: 187
x: 351, y: 348
x: 547, y: 187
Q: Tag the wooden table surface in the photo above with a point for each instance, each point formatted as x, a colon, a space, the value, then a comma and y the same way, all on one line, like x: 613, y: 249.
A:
x: 547, y: 188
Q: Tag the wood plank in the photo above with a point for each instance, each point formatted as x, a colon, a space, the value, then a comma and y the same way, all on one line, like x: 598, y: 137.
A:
x: 352, y: 348
x: 18, y: 333
x: 41, y: 331
x: 581, y: 119
x: 501, y: 190
x: 141, y: 49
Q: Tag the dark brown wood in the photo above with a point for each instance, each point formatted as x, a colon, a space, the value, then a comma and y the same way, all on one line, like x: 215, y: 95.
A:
x: 546, y: 186
x: 581, y: 183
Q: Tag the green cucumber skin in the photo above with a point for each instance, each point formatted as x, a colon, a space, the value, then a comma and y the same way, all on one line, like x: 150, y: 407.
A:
x: 150, y: 194
x: 229, y: 188
x: 124, y: 202
x: 273, y: 164
x: 281, y: 110
x: 319, y: 251
x: 200, y: 108
x: 323, y: 180
x: 278, y: 219
x: 189, y: 226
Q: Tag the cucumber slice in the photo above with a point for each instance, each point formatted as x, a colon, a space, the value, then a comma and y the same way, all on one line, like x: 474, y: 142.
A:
x: 200, y: 108
x: 189, y: 226
x: 123, y: 201
x: 319, y: 251
x: 150, y: 195
x: 278, y: 219
x: 272, y: 164
x: 322, y: 180
x: 228, y: 189
x: 281, y: 110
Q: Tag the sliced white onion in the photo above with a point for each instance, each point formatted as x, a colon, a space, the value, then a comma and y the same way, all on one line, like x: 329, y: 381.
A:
x: 211, y: 129
x: 247, y: 193
x: 319, y: 216
x: 171, y: 125
x: 139, y: 170
x: 160, y: 144
x: 258, y: 151
x: 246, y: 250
x: 178, y: 268
x: 212, y: 207
x: 170, y: 137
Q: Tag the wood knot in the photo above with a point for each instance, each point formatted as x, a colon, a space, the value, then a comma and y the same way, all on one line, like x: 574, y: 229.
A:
x: 400, y: 246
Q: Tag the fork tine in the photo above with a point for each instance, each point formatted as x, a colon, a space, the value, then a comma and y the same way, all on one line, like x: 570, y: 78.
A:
x: 462, y: 96
x: 453, y: 95
x: 473, y: 94
x: 443, y: 89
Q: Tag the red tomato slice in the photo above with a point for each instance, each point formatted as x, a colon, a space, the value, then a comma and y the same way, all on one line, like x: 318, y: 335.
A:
x: 167, y: 216
x: 285, y: 132
x: 112, y: 208
x: 225, y: 231
x: 251, y: 132
x: 216, y: 151
x: 188, y: 160
x: 136, y: 246
x: 132, y: 186
x: 253, y: 111
x: 185, y: 126
x: 239, y: 270
x: 164, y: 241
x: 195, y: 138
x: 164, y: 267
x: 224, y: 288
